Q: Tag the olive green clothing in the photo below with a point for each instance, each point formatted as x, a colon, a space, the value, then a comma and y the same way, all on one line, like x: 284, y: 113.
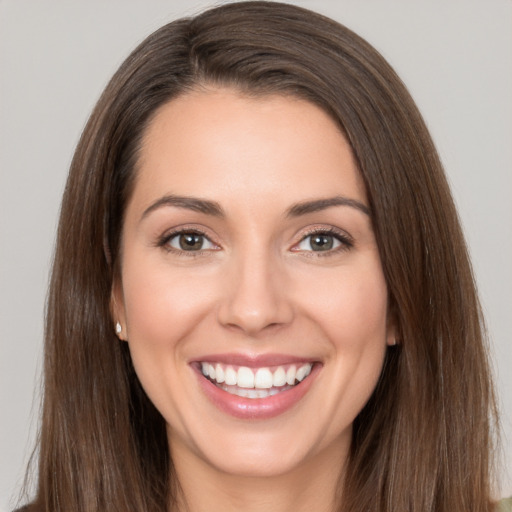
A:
x: 505, y: 505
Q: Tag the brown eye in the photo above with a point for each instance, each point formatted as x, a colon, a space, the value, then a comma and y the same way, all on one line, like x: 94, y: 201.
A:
x: 190, y: 242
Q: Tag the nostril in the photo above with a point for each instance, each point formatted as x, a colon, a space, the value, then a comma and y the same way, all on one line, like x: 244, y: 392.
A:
x: 254, y: 299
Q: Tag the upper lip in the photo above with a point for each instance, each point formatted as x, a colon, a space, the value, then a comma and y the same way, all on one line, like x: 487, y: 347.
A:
x: 253, y: 360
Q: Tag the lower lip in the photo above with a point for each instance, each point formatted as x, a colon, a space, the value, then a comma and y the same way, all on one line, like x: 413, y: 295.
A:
x: 257, y: 408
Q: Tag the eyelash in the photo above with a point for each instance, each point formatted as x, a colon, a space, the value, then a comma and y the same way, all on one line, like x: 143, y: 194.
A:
x: 346, y: 242
x: 164, y: 240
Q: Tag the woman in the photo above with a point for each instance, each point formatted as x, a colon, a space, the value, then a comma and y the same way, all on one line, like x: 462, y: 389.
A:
x: 261, y: 296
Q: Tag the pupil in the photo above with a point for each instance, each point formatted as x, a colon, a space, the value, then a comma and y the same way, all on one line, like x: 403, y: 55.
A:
x: 321, y: 242
x: 191, y: 241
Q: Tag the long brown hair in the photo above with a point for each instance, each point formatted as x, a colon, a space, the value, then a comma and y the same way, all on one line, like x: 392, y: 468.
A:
x: 424, y: 440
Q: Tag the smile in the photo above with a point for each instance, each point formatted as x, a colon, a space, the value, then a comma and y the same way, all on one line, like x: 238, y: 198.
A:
x: 255, y: 383
x: 255, y: 387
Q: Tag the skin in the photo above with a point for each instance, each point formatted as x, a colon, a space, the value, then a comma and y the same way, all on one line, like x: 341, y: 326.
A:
x: 256, y: 287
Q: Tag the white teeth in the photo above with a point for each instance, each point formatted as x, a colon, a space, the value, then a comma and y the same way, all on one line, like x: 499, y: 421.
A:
x: 301, y: 373
x: 245, y: 377
x: 230, y: 377
x: 219, y: 373
x: 253, y: 393
x: 279, y: 377
x: 263, y: 379
x: 290, y: 376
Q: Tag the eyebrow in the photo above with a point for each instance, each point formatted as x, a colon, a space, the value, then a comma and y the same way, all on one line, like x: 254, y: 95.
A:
x: 190, y: 203
x: 305, y: 207
x: 213, y: 208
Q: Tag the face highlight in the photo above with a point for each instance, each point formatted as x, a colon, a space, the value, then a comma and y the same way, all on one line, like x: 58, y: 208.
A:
x: 251, y: 293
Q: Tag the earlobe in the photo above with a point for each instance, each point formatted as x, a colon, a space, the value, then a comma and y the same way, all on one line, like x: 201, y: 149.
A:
x: 117, y: 311
x: 392, y: 337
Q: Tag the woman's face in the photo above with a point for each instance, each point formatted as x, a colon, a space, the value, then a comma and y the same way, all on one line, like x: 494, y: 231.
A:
x: 248, y: 255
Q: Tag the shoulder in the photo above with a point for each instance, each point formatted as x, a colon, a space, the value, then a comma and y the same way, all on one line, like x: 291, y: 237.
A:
x: 505, y: 505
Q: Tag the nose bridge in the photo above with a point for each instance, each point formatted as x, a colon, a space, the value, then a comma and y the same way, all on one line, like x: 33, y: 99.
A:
x: 255, y: 295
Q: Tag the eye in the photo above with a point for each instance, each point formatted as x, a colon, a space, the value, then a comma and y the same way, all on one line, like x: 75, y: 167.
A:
x: 324, y: 241
x: 318, y: 242
x: 189, y: 241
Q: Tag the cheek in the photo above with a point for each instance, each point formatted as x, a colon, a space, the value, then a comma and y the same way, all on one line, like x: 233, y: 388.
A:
x: 352, y: 315
x: 160, y: 304
x: 163, y: 306
x: 351, y: 307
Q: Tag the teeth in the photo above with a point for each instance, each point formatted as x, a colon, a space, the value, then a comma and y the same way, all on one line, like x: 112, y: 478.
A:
x: 303, y: 372
x: 279, y: 378
x: 230, y: 376
x: 253, y: 393
x: 290, y: 376
x: 261, y: 378
x: 245, y: 377
x: 219, y: 373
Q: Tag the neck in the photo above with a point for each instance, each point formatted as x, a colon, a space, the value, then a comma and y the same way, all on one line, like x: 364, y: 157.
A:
x: 312, y: 486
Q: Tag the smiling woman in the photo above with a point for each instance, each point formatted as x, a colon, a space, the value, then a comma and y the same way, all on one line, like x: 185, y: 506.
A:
x: 261, y: 296
x: 217, y: 302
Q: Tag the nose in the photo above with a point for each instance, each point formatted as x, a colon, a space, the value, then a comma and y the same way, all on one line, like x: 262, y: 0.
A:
x: 255, y: 296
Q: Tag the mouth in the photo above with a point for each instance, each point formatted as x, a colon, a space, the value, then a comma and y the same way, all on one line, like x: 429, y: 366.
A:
x: 255, y: 389
x: 255, y: 383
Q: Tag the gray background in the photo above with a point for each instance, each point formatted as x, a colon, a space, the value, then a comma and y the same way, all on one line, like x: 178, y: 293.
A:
x: 55, y: 59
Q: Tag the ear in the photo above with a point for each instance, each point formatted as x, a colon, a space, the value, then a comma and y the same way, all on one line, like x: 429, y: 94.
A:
x: 117, y: 309
x: 392, y: 328
x: 391, y: 340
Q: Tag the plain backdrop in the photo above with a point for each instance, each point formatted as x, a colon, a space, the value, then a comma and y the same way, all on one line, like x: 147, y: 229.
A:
x: 55, y: 59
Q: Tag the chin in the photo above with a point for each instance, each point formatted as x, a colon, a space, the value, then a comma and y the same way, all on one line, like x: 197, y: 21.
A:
x: 260, y: 465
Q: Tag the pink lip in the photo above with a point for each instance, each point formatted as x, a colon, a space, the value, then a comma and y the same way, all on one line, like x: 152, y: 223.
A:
x: 252, y: 361
x: 257, y: 408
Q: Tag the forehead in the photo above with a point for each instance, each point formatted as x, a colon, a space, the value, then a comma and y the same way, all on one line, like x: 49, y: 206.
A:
x: 224, y: 144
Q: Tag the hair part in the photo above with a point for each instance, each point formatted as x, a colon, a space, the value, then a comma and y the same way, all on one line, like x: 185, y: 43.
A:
x: 102, y: 440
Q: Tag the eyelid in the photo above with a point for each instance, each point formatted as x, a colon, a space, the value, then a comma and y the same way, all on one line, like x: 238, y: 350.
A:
x: 163, y: 240
x: 177, y: 236
x: 345, y: 239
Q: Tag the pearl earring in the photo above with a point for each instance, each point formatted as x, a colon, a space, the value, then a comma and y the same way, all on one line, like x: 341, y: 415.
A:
x: 118, y: 328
